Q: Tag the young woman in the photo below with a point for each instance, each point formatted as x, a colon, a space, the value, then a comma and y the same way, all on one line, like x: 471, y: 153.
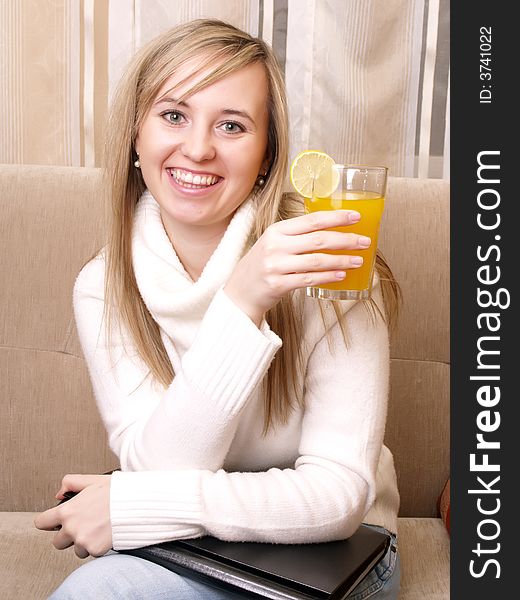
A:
x: 237, y: 406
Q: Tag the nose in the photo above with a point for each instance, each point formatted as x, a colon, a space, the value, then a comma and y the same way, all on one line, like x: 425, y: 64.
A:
x: 197, y: 144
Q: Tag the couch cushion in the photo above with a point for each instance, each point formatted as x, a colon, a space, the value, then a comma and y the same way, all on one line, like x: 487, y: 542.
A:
x: 31, y: 568
x: 424, y: 546
x: 52, y: 427
x: 420, y: 395
x: 415, y: 240
x: 51, y: 221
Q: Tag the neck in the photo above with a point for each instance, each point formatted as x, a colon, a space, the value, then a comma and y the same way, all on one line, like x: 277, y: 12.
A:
x: 193, y: 246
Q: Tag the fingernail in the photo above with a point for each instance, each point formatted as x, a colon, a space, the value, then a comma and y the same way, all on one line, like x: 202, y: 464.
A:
x: 364, y: 241
x: 357, y: 261
x: 354, y: 216
x: 340, y: 274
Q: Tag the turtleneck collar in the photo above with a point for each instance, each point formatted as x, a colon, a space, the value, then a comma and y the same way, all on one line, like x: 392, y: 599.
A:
x: 174, y: 300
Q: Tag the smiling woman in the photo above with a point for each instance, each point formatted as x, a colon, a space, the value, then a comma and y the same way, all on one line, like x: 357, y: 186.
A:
x: 237, y: 407
x: 200, y: 157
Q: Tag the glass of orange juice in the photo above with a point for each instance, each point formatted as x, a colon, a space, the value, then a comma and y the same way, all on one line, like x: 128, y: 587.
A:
x: 361, y: 188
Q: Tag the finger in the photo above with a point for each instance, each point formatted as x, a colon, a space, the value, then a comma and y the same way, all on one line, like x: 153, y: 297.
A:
x: 322, y: 219
x: 301, y: 280
x: 48, y: 520
x: 309, y: 263
x: 80, y: 551
x: 326, y: 240
x: 62, y: 540
x: 76, y: 482
x: 66, y: 496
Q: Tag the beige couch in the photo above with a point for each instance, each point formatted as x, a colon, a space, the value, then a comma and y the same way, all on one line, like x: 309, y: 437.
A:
x: 51, y: 222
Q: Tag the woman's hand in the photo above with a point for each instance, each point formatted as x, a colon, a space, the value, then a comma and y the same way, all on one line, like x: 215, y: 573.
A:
x: 291, y: 254
x: 83, y: 521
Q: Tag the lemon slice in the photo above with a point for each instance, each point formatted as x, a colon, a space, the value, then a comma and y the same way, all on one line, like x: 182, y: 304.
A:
x: 312, y: 175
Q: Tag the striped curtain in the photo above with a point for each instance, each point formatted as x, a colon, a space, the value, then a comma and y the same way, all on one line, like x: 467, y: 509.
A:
x: 367, y: 80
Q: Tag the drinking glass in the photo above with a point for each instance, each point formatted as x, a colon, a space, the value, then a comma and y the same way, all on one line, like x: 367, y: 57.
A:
x: 361, y: 188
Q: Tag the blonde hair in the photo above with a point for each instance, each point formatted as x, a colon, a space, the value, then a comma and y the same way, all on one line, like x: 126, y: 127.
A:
x: 226, y: 49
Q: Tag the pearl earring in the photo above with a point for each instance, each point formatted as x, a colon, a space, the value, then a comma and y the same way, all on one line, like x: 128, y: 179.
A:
x: 137, y: 164
x: 260, y: 180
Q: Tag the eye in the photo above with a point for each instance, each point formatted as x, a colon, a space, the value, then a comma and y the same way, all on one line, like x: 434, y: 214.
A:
x: 232, y: 127
x: 173, y: 116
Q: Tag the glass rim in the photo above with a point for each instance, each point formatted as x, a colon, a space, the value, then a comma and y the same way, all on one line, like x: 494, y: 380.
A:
x: 360, y: 166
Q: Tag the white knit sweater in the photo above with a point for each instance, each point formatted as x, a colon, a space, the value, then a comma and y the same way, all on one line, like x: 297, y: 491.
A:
x: 193, y: 457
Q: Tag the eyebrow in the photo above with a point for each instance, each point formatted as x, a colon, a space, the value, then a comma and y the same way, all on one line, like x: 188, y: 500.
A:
x: 239, y: 113
x: 168, y: 100
x: 225, y: 111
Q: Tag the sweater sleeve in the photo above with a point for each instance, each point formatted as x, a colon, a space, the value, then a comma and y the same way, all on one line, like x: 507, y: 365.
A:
x: 327, y: 493
x: 191, y: 423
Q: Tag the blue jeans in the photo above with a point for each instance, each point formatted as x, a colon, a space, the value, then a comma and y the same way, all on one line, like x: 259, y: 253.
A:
x: 383, y: 581
x: 124, y: 577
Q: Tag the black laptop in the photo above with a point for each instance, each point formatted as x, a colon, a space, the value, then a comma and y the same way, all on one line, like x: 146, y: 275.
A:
x: 328, y: 570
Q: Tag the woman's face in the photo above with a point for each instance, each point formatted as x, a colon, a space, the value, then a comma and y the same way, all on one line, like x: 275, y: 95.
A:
x: 200, y: 157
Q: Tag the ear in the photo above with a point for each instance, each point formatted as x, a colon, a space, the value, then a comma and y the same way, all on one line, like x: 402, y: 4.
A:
x: 265, y: 166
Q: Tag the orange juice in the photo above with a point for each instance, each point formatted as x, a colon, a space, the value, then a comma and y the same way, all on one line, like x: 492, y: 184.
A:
x: 370, y: 206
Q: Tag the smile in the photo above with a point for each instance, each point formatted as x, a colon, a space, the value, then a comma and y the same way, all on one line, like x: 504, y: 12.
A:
x: 191, y: 180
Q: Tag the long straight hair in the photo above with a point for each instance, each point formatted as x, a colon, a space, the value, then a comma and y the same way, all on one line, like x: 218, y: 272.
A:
x: 225, y: 49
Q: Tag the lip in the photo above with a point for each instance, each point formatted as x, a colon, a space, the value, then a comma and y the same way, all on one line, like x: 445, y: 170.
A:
x: 192, y: 188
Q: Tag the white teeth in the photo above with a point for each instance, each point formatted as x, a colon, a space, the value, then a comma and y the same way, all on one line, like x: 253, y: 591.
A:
x: 185, y: 177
